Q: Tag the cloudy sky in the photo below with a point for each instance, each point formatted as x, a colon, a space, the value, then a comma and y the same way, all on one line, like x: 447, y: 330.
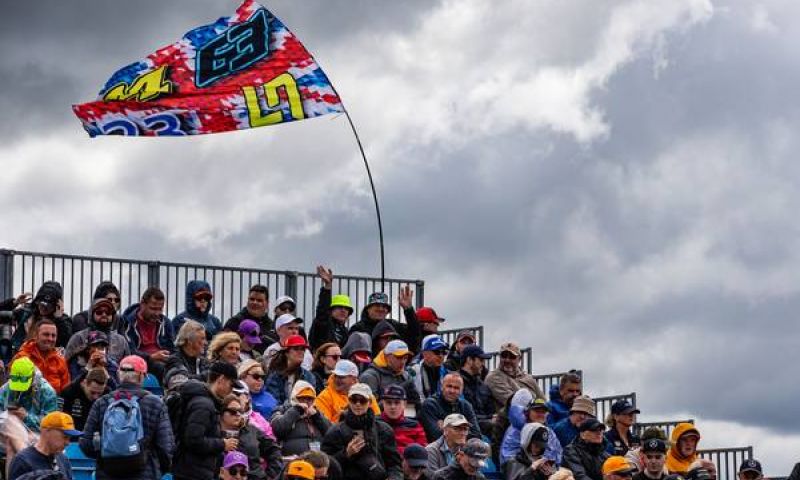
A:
x: 610, y: 182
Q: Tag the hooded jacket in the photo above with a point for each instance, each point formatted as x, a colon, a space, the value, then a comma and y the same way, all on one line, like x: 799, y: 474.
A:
x: 378, y: 460
x: 51, y: 364
x: 293, y: 431
x: 25, y: 317
x: 332, y: 403
x: 165, y: 336
x: 118, y: 347
x: 379, y: 376
x: 511, y: 439
x: 357, y: 342
x: 200, y: 447
x: 82, y: 320
x: 384, y: 327
x: 586, y: 459
x: 518, y: 468
x: 38, y: 401
x: 436, y: 408
x: 558, y: 409
x: 325, y: 328
x: 212, y: 324
x: 677, y: 463
x: 410, y: 332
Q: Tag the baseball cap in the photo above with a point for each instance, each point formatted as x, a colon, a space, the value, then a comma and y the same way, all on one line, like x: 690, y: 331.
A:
x: 286, y: 319
x: 698, y: 474
x: 428, y: 315
x: 431, y: 343
x: 295, y: 341
x: 133, y: 363
x: 478, y: 451
x: 250, y: 331
x: 103, y: 303
x: 361, y: 357
x: 592, y: 424
x: 398, y: 348
x: 379, y: 298
x: 394, y: 392
x: 617, y: 464
x: 285, y: 299
x: 224, y: 369
x: 300, y: 469
x: 583, y: 403
x: 60, y: 421
x: 345, y: 368
x: 473, y: 351
x: 465, y: 334
x: 21, y: 376
x: 416, y: 455
x: 96, y: 337
x: 538, y: 403
x: 623, y: 407
x: 655, y: 445
x: 751, y: 465
x: 360, y: 389
x: 454, y: 420
x: 512, y: 348
x: 233, y: 458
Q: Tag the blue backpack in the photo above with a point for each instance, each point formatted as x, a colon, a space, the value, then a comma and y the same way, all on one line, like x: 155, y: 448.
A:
x: 121, y: 450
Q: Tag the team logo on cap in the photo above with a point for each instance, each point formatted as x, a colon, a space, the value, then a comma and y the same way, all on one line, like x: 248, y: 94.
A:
x: 652, y: 444
x: 751, y: 463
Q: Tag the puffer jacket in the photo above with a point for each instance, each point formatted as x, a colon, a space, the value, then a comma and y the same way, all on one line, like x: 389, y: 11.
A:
x: 586, y: 459
x: 324, y: 328
x: 38, y: 401
x: 677, y: 463
x: 258, y: 446
x: 518, y: 468
x: 406, y: 431
x: 410, y: 332
x: 332, y: 403
x: 194, y: 368
x: 200, y: 447
x: 565, y: 431
x: 511, y: 439
x: 118, y: 347
x: 378, y: 460
x: 436, y: 408
x: 82, y: 320
x: 295, y: 432
x: 478, y: 395
x: 165, y: 337
x: 276, y: 384
x: 211, y: 323
x: 52, y: 365
x: 558, y: 409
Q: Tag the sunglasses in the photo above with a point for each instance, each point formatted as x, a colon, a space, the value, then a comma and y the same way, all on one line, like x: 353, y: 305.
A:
x: 103, y: 311
x: 508, y: 355
x: 206, y: 298
x: 19, y: 378
x: 233, y: 411
x: 257, y: 376
x: 238, y: 471
x: 358, y: 400
x: 440, y: 353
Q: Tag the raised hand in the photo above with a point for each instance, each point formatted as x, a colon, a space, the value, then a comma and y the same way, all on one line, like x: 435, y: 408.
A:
x: 405, y: 297
x: 326, y: 274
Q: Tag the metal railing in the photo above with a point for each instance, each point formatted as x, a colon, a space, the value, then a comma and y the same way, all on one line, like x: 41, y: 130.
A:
x: 727, y: 460
x: 25, y: 272
x: 547, y: 380
x: 665, y: 426
x: 603, y: 404
x: 450, y: 336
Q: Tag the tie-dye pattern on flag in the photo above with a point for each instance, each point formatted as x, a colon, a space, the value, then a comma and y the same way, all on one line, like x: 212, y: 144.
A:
x: 243, y: 71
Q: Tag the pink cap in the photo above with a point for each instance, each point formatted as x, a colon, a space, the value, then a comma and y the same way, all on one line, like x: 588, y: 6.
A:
x: 133, y: 362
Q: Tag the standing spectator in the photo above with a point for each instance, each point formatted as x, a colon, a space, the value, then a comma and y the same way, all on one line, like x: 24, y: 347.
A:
x: 406, y: 430
x: 48, y: 453
x: 683, y: 451
x: 48, y: 304
x: 415, y: 462
x: 234, y: 466
x: 325, y: 359
x: 41, y: 349
x: 286, y: 368
x: 198, y: 308
x: 442, y: 451
x: 569, y: 387
x: 378, y: 308
x: 256, y: 309
x: 358, y: 350
x: 188, y: 361
x: 149, y: 331
x: 475, y: 390
x: 653, y: 455
x: 533, y: 461
x: 382, y: 334
x: 750, y: 469
x: 157, y: 442
x: 333, y: 312
x: 535, y: 411
x: 567, y: 429
x: 585, y: 456
x: 252, y: 374
x: 80, y: 395
x: 440, y: 405
x: 297, y: 424
x: 287, y: 325
x: 616, y: 467
x: 620, y: 435
x: 463, y: 339
x: 250, y: 416
x: 200, y: 444
x: 363, y: 445
x: 332, y: 400
x: 469, y: 462
x: 95, y: 355
x: 388, y: 368
x: 102, y: 318
x: 506, y: 380
x: 428, y: 373
x: 250, y: 333
x: 429, y: 321
x: 225, y: 347
x: 250, y: 440
x: 105, y: 290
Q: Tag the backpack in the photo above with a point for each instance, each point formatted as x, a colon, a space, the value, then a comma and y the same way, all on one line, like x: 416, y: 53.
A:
x: 121, y: 450
x: 176, y: 402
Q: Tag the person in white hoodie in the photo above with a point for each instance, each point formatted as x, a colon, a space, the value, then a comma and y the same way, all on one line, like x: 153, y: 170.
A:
x: 534, y: 461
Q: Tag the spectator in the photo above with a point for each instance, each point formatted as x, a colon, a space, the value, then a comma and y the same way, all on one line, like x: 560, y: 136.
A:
x: 200, y: 443
x: 585, y: 456
x: 41, y: 349
x: 428, y: 373
x: 475, y: 390
x: 620, y: 435
x: 406, y: 430
x: 463, y: 339
x: 225, y: 347
x: 80, y: 395
x: 149, y: 331
x: 188, y: 361
x: 702, y: 469
x: 616, y: 467
x: 363, y: 445
x: 250, y: 333
x: 234, y: 466
x: 286, y: 369
x: 106, y: 290
x: 533, y: 461
x: 440, y: 405
x: 442, y: 451
x: 95, y: 355
x: 428, y: 320
x: 325, y: 359
x: 27, y: 397
x: 468, y: 462
x: 382, y: 334
x: 569, y: 387
x: 506, y: 380
x: 198, y: 308
x: 568, y: 428
x: 332, y: 400
x: 388, y: 368
x: 157, y: 442
x: 415, y: 462
x: 333, y: 312
x: 358, y: 350
x: 250, y: 416
x: 48, y: 304
x: 250, y: 440
x: 750, y: 469
x: 252, y: 374
x: 378, y: 308
x: 102, y: 318
x: 287, y: 325
x: 653, y: 455
x: 324, y: 466
x: 535, y: 410
x: 297, y: 424
x: 683, y: 451
x: 283, y: 305
x: 256, y: 309
x: 299, y: 470
x: 48, y: 453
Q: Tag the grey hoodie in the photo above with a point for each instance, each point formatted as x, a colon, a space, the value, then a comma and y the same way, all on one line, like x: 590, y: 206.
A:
x: 118, y: 347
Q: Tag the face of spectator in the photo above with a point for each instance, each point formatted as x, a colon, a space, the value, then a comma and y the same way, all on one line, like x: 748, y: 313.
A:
x: 201, y: 303
x: 46, y: 337
x: 452, y: 386
x: 396, y: 364
x: 152, y: 309
x: 463, y: 460
x: 103, y: 316
x: 296, y: 355
x: 569, y: 392
x: 473, y: 365
x: 509, y: 362
x: 429, y: 328
x: 286, y: 331
x: 463, y: 342
x: 254, y: 379
x: 285, y: 307
x: 230, y: 353
x: 92, y: 389
x: 687, y: 444
x: 456, y: 435
x: 236, y: 472
x: 101, y: 349
x: 576, y: 418
x: 411, y: 473
x: 343, y: 384
x: 114, y: 298
x: 55, y: 441
x: 538, y: 415
x: 330, y: 357
x: 377, y: 312
x: 654, y: 462
x: 257, y: 304
x: 340, y: 314
x: 197, y: 344
x: 232, y: 416
x: 592, y: 436
x: 625, y: 419
x: 358, y: 404
x: 433, y: 358
x: 394, y: 408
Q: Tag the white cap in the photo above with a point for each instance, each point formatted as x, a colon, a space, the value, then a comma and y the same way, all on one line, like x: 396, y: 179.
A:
x: 454, y: 420
x: 286, y: 319
x: 284, y: 299
x: 360, y: 389
x: 345, y: 368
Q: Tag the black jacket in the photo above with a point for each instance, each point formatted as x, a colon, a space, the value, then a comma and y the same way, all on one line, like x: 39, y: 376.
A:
x: 257, y: 446
x: 435, y: 408
x: 519, y: 468
x: 200, y: 446
x: 617, y: 445
x: 410, y: 332
x: 585, y: 459
x: 76, y: 403
x: 324, y: 328
x: 478, y: 395
x: 264, y: 322
x: 378, y: 460
x: 295, y: 432
x: 455, y: 472
x: 193, y: 368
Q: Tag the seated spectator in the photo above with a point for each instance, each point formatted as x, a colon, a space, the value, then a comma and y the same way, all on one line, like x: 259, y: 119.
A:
x: 533, y: 461
x: 286, y: 368
x: 468, y: 462
x: 249, y: 415
x: 188, y: 361
x: 415, y: 462
x: 250, y: 440
x: 149, y: 331
x: 234, y: 466
x: 378, y: 308
x: 585, y: 456
x: 325, y: 359
x: 388, y: 368
x: 382, y: 334
x: 702, y: 469
x: 683, y: 451
x: 475, y: 390
x: 333, y: 312
x: 332, y: 400
x: 256, y: 309
x: 750, y: 469
x: 463, y: 339
x: 287, y: 325
x: 569, y: 387
x: 567, y: 429
x: 440, y: 405
x: 534, y: 411
x: 95, y: 355
x: 198, y: 308
x: 105, y: 290
x: 358, y: 350
x: 406, y: 430
x: 653, y: 455
x: 299, y: 470
x: 363, y: 445
x: 225, y: 347
x: 428, y: 321
x: 48, y: 304
x: 616, y: 467
x: 325, y: 467
x: 250, y: 333
x: 48, y: 453
x: 620, y: 422
x: 297, y: 424
x: 506, y: 380
x: 442, y: 451
x: 102, y: 318
x: 428, y: 373
x: 252, y: 374
x: 80, y: 395
x: 41, y: 349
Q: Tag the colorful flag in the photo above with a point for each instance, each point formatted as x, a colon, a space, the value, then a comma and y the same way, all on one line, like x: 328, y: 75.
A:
x: 243, y: 71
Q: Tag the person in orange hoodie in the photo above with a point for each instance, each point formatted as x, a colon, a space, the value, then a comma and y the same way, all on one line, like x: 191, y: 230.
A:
x: 683, y: 451
x: 41, y: 350
x: 332, y: 400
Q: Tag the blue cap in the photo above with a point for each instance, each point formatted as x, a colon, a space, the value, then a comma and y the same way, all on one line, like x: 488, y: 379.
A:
x: 474, y: 351
x: 433, y: 343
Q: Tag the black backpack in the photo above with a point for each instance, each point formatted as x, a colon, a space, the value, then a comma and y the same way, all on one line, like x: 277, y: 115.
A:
x: 176, y: 401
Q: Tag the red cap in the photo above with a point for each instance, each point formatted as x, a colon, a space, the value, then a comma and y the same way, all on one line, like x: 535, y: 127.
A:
x: 133, y: 362
x: 428, y: 315
x: 361, y: 357
x: 295, y: 341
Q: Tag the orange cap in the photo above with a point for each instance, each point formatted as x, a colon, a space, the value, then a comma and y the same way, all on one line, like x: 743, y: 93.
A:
x: 617, y: 464
x: 300, y: 469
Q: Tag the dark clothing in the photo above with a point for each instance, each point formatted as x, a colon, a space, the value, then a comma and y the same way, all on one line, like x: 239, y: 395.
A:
x: 616, y: 446
x: 83, y: 320
x: 519, y: 468
x: 200, y: 446
x: 165, y: 337
x: 295, y: 432
x: 565, y: 431
x: 257, y: 446
x: 378, y: 460
x: 193, y: 368
x: 21, y: 317
x: 455, y: 472
x: 77, y: 369
x: 325, y: 328
x: 211, y: 323
x: 30, y: 459
x: 585, y: 459
x: 76, y: 403
x: 642, y: 476
x: 795, y: 475
x: 264, y: 322
x: 158, y: 441
x: 384, y: 328
x: 436, y: 408
x: 559, y: 410
x: 410, y: 332
x: 478, y: 395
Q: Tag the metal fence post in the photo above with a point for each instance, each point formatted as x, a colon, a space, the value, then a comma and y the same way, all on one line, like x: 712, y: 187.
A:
x: 633, y: 398
x: 6, y: 274
x: 420, y: 293
x: 290, y: 284
x: 154, y: 274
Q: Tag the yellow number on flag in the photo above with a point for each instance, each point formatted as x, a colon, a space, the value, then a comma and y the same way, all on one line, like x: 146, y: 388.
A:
x: 147, y: 86
x: 258, y: 117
